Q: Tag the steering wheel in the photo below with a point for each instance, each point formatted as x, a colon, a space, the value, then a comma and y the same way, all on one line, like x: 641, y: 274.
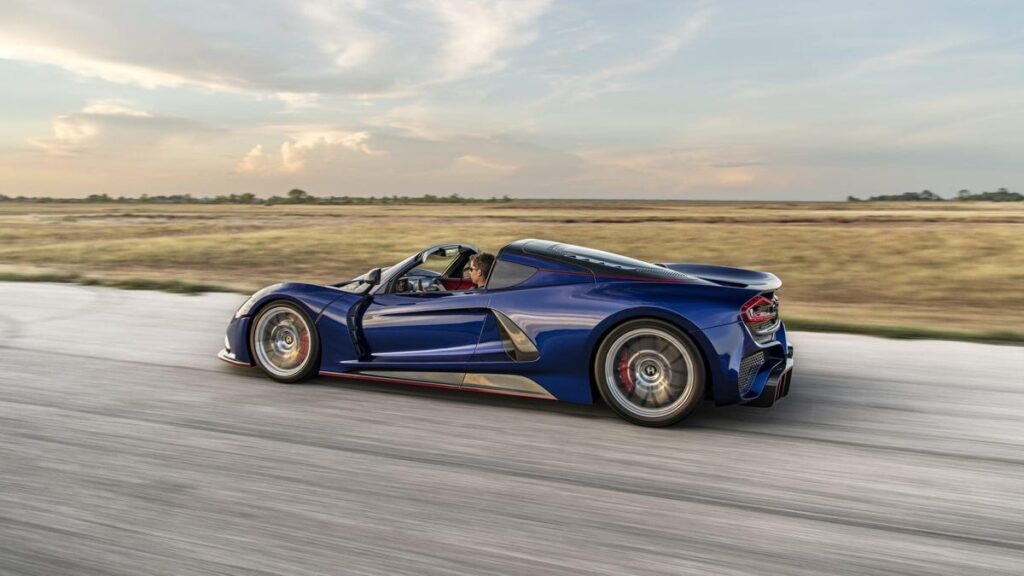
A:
x: 409, y: 284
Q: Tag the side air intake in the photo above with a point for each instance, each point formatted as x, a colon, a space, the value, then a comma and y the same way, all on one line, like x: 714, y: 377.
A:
x: 517, y: 344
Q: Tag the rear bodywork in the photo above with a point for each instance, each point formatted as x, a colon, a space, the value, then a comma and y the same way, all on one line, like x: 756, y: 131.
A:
x: 535, y: 329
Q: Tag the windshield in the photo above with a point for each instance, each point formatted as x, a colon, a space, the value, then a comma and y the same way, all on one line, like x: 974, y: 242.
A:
x: 357, y: 285
x: 431, y: 262
x: 439, y: 261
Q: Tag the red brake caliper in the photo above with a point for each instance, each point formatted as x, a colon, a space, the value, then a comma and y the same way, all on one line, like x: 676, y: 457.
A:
x: 624, y: 374
x: 304, y: 345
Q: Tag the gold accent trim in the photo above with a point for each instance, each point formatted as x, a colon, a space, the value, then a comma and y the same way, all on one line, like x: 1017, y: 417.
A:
x: 448, y: 378
x: 511, y: 384
x: 506, y: 383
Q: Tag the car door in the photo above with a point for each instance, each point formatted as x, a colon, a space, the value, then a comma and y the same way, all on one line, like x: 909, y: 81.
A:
x: 413, y: 319
x: 439, y: 329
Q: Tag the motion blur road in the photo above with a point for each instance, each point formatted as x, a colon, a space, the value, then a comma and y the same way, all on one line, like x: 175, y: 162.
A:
x: 126, y: 447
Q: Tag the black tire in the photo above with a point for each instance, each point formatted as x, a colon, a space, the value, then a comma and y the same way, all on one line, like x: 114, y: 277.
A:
x: 284, y: 342
x: 649, y: 372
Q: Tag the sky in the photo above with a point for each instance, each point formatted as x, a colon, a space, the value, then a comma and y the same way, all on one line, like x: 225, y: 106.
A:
x: 710, y: 99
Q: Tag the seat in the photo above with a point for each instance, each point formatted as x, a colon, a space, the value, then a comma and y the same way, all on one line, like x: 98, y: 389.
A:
x: 454, y: 284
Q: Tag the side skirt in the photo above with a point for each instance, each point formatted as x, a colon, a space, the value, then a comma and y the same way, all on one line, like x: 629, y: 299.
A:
x: 503, y: 384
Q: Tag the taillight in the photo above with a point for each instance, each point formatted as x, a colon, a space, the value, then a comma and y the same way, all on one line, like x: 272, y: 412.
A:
x: 759, y: 309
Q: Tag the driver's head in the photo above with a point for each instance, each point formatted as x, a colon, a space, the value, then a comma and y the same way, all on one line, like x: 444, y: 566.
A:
x: 479, y: 267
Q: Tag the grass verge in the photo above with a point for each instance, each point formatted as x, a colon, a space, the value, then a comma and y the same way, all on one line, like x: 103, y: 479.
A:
x: 905, y: 332
x: 174, y: 286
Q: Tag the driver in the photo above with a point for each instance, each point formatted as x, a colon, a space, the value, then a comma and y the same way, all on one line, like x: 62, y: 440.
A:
x: 479, y: 267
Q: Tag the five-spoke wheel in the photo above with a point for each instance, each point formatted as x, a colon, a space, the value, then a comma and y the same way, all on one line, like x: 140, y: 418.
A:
x: 649, y: 372
x: 284, y: 343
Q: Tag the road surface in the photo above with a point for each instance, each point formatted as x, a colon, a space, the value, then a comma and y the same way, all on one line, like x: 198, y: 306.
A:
x: 127, y: 448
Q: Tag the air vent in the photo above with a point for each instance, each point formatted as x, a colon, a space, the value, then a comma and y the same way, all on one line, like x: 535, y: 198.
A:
x: 517, y: 344
x: 748, y: 369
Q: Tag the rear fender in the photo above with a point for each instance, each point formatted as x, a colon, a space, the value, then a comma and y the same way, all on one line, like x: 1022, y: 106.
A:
x: 707, y: 351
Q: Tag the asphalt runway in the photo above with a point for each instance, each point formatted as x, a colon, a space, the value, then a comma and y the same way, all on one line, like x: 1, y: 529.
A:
x: 126, y: 447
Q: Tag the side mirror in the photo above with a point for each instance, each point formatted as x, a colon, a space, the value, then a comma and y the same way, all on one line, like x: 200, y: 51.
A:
x: 373, y: 277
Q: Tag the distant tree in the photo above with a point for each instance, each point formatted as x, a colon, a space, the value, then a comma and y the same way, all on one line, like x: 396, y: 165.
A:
x: 296, y: 196
x: 924, y: 195
x: 853, y: 199
x: 1000, y: 195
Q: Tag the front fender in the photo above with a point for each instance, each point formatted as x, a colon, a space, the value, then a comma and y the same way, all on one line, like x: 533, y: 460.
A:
x: 311, y: 298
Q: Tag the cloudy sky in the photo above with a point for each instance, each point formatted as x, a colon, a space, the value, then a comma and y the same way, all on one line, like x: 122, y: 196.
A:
x: 530, y: 98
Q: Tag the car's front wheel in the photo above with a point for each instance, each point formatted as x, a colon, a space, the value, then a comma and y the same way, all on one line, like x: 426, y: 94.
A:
x: 649, y: 372
x: 284, y: 342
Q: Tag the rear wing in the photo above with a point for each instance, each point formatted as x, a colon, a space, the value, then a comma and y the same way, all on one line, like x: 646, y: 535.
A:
x: 726, y: 276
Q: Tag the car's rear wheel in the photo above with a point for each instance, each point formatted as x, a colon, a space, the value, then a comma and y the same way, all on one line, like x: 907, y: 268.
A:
x: 284, y: 342
x: 649, y: 372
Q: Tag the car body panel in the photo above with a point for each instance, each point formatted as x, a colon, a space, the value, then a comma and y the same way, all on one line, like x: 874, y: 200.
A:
x: 426, y: 327
x: 535, y: 338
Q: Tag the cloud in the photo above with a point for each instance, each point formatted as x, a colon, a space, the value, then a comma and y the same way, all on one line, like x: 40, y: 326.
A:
x: 416, y: 121
x: 256, y: 161
x: 109, y: 126
x: 292, y: 50
x: 479, y: 31
x: 907, y: 57
x: 304, y: 146
x: 114, y: 107
x: 424, y: 122
x: 93, y: 67
x: 295, y: 101
x: 71, y: 134
x: 614, y: 78
x: 374, y: 164
x: 658, y: 172
x: 473, y: 165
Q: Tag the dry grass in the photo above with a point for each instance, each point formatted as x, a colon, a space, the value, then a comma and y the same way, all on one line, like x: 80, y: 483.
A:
x: 949, y: 266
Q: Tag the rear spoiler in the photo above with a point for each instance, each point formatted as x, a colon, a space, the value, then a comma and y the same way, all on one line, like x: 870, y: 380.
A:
x: 726, y: 276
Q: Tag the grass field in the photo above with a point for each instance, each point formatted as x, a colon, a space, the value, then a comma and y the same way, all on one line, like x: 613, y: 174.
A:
x: 948, y: 270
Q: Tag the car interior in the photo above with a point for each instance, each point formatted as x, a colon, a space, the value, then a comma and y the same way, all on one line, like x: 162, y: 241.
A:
x: 444, y: 270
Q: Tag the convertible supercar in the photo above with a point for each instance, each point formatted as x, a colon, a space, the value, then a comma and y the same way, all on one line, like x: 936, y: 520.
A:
x: 554, y: 321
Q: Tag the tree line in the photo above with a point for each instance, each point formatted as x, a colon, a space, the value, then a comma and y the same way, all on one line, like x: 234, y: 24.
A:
x: 1000, y: 195
x: 297, y: 196
x: 294, y: 196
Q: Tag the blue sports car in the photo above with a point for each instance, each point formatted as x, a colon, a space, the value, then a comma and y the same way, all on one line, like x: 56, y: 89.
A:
x: 553, y: 321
